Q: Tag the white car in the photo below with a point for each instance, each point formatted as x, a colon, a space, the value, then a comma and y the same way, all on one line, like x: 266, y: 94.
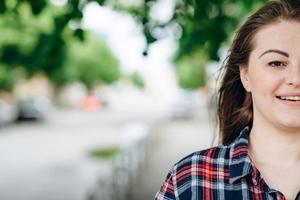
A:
x: 31, y: 109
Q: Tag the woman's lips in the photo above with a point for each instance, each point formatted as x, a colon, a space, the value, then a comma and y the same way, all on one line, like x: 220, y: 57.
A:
x: 290, y: 101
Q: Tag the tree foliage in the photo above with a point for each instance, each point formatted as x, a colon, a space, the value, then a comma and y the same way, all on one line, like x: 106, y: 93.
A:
x: 36, y: 36
x: 40, y: 44
x: 203, y: 28
x: 5, y: 78
x: 90, y: 62
x: 191, y: 73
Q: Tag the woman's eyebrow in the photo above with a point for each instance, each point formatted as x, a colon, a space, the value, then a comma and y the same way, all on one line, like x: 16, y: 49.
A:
x: 275, y: 51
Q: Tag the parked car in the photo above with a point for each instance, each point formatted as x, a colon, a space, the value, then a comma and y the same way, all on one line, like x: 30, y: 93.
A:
x: 31, y: 109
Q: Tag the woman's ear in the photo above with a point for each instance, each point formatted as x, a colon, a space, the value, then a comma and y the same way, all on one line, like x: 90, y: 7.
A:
x: 244, y: 76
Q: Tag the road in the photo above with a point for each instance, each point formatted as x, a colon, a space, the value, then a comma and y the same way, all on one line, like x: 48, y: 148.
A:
x: 49, y: 160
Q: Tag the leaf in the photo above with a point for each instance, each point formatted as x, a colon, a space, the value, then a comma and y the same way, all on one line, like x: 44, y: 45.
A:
x: 11, y: 55
x: 100, y: 2
x: 2, y: 6
x: 79, y: 33
x: 37, y: 6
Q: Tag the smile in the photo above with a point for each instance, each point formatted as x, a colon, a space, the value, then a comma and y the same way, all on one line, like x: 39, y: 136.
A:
x: 289, y: 98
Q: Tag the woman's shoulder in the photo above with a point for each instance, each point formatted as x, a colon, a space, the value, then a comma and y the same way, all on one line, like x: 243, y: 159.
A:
x: 206, y: 164
x: 215, y: 158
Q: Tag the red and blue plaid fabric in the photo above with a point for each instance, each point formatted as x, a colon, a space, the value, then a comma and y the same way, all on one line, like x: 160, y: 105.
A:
x: 224, y: 172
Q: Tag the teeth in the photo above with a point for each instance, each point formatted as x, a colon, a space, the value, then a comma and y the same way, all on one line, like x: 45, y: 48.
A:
x: 293, y: 98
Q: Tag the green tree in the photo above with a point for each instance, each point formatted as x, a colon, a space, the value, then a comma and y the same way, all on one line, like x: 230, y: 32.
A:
x: 5, y: 78
x: 204, y: 25
x: 191, y: 73
x: 36, y: 37
x: 90, y: 62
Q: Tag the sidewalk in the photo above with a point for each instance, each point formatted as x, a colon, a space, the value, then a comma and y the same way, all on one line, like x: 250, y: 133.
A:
x: 169, y: 142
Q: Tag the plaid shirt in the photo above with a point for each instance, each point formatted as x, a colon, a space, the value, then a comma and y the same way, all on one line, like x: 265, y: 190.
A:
x: 222, y: 172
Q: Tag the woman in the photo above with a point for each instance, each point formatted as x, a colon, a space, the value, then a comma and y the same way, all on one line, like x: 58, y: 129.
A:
x: 259, y: 117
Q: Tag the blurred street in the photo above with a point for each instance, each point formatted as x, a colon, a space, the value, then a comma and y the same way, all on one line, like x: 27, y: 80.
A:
x: 49, y: 160
x: 170, y: 141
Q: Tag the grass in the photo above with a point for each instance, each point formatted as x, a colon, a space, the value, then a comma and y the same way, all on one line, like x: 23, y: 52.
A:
x: 104, y: 153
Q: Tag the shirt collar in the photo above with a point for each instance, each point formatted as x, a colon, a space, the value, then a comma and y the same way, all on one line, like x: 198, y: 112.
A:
x: 240, y: 163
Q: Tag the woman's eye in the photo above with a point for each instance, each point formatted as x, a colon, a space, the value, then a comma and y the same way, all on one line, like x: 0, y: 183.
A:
x: 277, y: 64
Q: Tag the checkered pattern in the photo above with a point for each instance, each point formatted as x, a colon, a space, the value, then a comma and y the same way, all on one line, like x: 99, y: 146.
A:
x: 224, y: 172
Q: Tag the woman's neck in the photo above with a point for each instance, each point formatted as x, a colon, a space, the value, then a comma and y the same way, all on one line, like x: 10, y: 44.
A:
x: 273, y: 145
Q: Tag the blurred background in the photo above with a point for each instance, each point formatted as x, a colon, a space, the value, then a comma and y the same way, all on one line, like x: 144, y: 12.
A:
x: 99, y: 98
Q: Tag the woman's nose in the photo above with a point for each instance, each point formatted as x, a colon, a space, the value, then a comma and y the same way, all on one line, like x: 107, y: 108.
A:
x: 293, y: 77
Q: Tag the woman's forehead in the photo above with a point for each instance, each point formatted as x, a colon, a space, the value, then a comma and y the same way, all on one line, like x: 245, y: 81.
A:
x: 283, y: 35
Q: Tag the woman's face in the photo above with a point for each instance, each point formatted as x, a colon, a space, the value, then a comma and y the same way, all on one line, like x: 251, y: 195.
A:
x: 272, y: 75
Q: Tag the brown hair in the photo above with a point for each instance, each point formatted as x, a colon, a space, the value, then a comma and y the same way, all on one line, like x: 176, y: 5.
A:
x: 234, y: 110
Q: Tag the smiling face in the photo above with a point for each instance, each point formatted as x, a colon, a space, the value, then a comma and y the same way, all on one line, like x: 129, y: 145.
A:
x: 272, y: 75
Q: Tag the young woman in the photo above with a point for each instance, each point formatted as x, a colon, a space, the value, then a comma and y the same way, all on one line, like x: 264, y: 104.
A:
x: 259, y: 117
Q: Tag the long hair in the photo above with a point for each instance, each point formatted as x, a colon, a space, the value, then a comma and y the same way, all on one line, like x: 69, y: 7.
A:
x: 234, y: 103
